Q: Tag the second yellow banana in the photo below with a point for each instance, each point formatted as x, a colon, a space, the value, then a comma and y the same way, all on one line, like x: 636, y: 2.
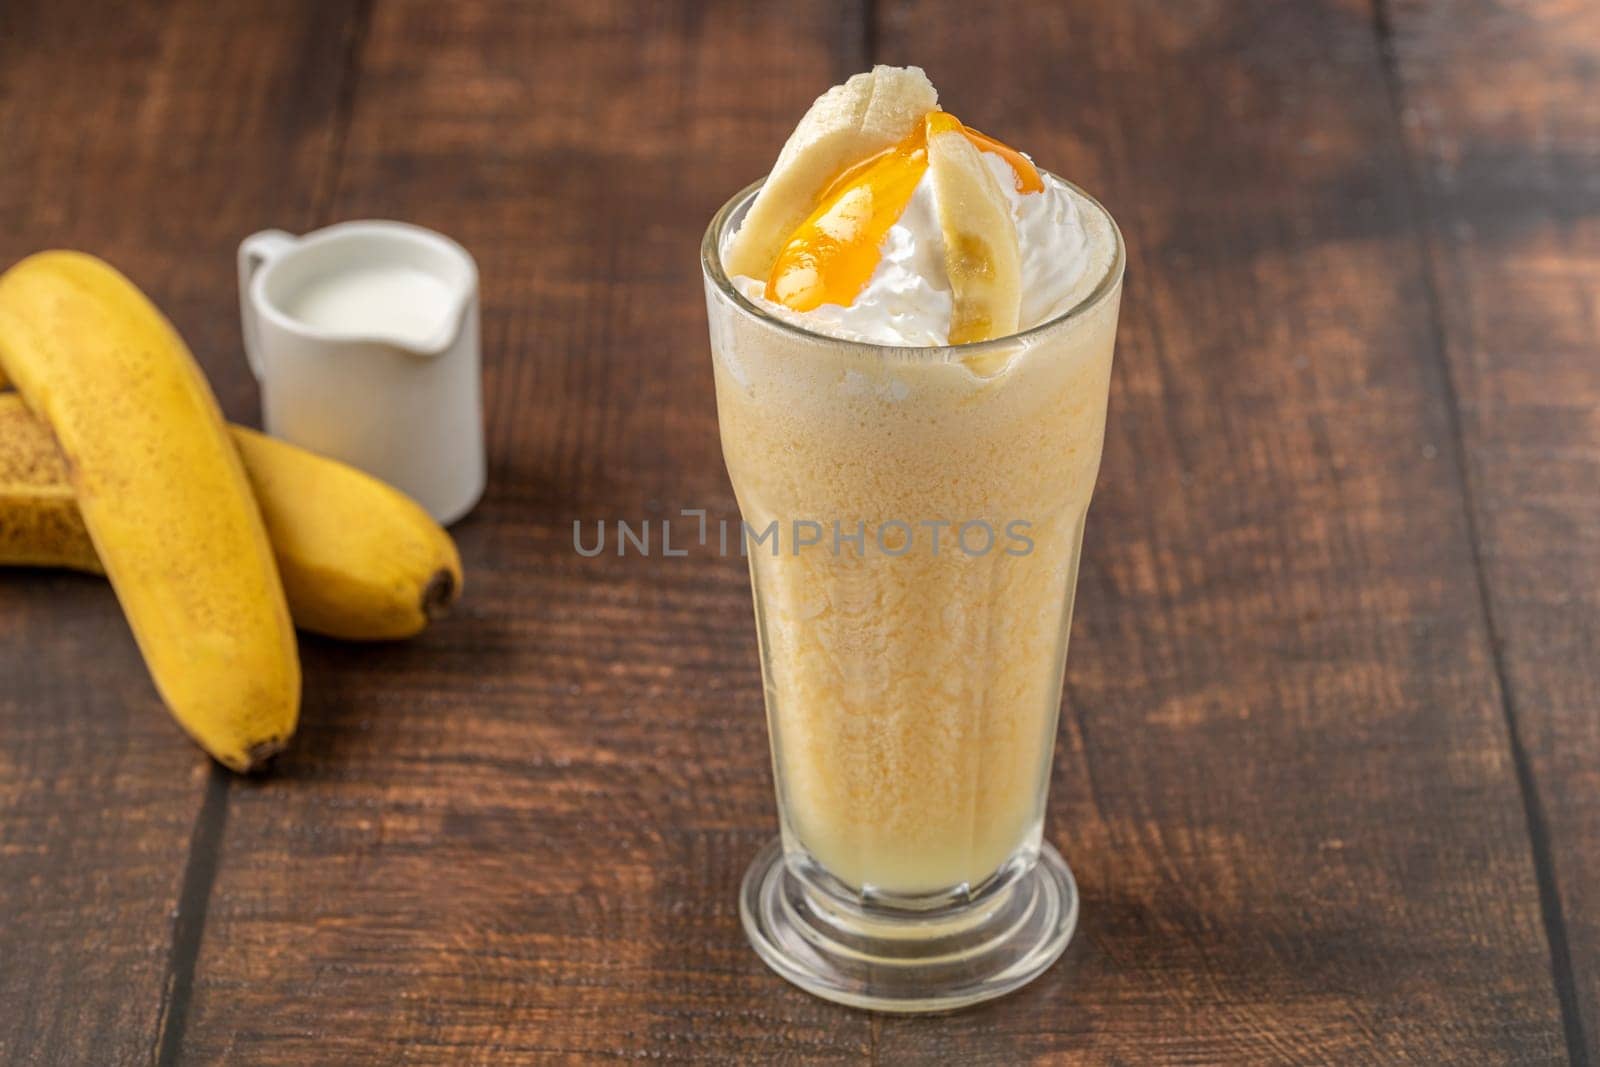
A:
x: 359, y: 559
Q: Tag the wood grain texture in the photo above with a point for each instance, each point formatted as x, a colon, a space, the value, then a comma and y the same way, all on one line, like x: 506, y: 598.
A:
x: 148, y: 137
x: 1284, y: 780
x: 1502, y: 109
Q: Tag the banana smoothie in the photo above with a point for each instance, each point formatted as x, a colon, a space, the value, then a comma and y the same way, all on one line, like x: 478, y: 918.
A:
x: 912, y: 333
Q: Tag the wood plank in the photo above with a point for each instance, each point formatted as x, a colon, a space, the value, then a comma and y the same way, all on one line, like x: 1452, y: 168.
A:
x: 1502, y: 109
x: 1285, y: 781
x: 156, y: 137
x: 519, y: 837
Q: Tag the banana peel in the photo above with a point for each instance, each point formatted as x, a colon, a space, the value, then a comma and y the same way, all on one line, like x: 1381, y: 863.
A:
x: 164, y: 497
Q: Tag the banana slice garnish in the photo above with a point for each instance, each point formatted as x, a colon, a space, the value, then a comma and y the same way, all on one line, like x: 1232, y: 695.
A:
x: 847, y: 124
x: 832, y: 255
x: 980, y: 236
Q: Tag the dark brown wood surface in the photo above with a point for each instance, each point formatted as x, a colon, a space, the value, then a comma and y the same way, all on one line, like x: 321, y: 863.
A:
x: 1328, y: 765
x: 1502, y: 114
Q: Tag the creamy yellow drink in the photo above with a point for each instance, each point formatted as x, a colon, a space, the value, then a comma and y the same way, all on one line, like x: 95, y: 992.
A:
x: 912, y: 698
x: 920, y: 505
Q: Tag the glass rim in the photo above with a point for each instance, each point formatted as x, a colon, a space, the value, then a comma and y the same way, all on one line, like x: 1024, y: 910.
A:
x: 711, y: 266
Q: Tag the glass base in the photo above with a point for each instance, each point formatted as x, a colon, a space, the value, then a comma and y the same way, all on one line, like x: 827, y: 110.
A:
x: 894, y: 960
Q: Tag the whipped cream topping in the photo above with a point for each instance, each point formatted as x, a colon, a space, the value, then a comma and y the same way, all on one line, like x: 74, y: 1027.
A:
x: 908, y: 302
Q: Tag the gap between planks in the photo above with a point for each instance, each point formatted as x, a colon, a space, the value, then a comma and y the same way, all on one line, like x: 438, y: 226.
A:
x: 1418, y: 194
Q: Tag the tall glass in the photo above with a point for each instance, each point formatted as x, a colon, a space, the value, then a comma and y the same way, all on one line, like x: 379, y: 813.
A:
x: 913, y: 519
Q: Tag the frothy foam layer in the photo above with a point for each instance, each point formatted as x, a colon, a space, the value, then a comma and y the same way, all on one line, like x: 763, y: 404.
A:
x: 908, y: 301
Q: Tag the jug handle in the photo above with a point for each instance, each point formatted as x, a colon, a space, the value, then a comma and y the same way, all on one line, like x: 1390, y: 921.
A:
x: 254, y: 252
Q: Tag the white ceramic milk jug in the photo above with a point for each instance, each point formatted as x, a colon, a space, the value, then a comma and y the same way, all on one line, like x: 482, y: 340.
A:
x: 364, y: 337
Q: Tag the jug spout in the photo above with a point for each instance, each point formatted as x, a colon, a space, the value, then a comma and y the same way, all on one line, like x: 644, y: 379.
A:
x: 448, y: 332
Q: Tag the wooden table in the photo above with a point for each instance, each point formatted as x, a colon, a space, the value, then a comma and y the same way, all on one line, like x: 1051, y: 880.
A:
x: 1329, y: 765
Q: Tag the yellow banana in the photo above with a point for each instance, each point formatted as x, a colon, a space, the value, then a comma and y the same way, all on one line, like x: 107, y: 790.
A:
x: 359, y: 560
x: 163, y: 495
x: 39, y: 521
